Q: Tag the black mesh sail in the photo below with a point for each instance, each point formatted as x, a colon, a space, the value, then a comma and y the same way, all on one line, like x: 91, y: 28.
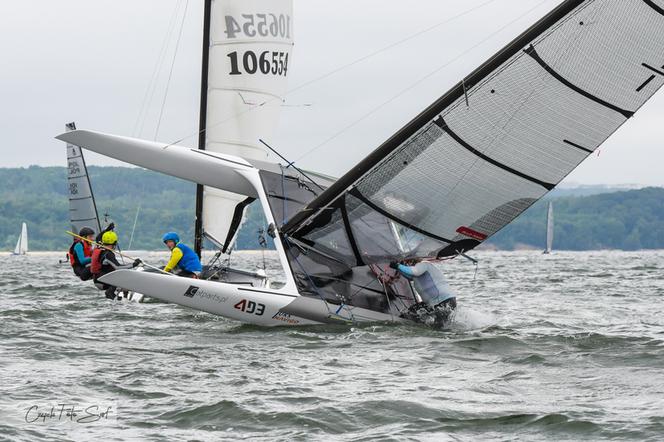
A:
x: 497, y: 142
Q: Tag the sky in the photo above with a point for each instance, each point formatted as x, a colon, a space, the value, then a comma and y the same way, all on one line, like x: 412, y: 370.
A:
x: 92, y: 62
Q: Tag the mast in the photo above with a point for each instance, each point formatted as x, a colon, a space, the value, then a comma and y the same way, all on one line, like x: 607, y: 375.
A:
x: 198, y: 234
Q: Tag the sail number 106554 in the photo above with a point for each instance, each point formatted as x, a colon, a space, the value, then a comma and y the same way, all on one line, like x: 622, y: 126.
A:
x: 275, y: 63
x: 259, y: 25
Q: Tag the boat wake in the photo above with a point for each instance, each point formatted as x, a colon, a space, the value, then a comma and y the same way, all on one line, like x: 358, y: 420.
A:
x: 468, y: 319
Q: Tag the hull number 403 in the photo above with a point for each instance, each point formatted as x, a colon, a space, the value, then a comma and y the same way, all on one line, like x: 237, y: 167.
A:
x: 251, y: 307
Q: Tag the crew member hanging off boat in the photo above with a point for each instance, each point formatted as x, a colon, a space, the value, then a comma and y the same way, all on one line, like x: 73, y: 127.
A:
x: 182, y: 257
x: 80, y: 254
x: 438, y: 298
x: 104, y: 261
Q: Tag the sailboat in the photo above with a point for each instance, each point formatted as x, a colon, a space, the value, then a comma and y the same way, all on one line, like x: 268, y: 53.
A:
x: 22, y: 243
x: 461, y: 170
x: 549, y: 229
x: 82, y: 205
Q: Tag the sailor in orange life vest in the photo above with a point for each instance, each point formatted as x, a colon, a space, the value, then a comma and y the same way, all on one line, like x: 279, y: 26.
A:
x: 80, y: 253
x: 182, y: 257
x: 104, y: 261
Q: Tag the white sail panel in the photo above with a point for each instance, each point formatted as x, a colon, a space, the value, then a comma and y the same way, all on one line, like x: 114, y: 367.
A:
x: 549, y: 228
x: 250, y: 49
x: 22, y: 243
x: 82, y: 208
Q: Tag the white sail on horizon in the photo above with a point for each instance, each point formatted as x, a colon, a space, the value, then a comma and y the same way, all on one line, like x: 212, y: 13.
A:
x: 549, y: 229
x: 22, y: 244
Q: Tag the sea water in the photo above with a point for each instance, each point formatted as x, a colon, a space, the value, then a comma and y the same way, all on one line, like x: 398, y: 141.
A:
x: 567, y: 346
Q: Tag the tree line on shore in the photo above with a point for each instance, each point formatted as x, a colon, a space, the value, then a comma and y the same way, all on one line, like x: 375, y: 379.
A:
x: 627, y: 220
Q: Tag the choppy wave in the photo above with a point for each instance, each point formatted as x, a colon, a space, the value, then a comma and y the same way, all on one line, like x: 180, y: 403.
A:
x: 564, y: 348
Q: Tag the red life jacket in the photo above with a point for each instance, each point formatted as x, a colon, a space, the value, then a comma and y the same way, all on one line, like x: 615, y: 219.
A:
x: 73, y: 259
x: 95, y: 266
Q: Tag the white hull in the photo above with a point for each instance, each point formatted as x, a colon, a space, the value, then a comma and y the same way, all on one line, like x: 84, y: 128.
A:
x: 260, y: 306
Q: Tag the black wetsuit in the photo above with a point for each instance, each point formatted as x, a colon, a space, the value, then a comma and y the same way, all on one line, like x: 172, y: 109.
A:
x: 109, y: 263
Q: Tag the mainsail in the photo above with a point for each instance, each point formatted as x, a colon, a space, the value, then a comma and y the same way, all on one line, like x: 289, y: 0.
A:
x: 499, y: 140
x: 549, y: 228
x: 22, y: 244
x: 247, y: 47
x: 82, y: 208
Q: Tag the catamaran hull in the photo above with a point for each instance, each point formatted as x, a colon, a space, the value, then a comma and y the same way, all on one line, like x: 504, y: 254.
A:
x: 258, y: 306
x: 245, y: 304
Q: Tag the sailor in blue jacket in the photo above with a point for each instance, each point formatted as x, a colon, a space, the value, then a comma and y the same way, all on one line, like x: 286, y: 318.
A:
x: 431, y: 285
x: 80, y: 253
x: 182, y: 257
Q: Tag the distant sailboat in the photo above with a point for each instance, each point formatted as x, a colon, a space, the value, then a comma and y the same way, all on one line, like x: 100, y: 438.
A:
x: 549, y: 229
x: 22, y: 244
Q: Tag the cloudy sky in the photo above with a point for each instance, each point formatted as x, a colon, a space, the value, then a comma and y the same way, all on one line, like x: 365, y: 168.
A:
x: 92, y: 62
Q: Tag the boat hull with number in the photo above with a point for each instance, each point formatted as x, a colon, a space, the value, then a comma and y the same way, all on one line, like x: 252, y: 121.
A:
x: 260, y: 306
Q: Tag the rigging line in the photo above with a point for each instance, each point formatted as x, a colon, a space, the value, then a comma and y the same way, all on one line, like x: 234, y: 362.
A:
x: 388, y: 47
x: 131, y: 238
x: 389, y: 304
x: 390, y: 281
x: 283, y: 192
x: 290, y: 163
x: 152, y: 85
x: 314, y: 286
x: 418, y: 82
x: 359, y: 287
x: 170, y: 74
x: 339, y: 69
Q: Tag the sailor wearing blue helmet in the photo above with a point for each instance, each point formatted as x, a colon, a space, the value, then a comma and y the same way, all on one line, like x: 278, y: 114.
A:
x: 182, y: 257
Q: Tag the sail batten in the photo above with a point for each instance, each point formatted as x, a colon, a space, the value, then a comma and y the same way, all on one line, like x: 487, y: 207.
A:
x: 653, y: 5
x: 533, y: 53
